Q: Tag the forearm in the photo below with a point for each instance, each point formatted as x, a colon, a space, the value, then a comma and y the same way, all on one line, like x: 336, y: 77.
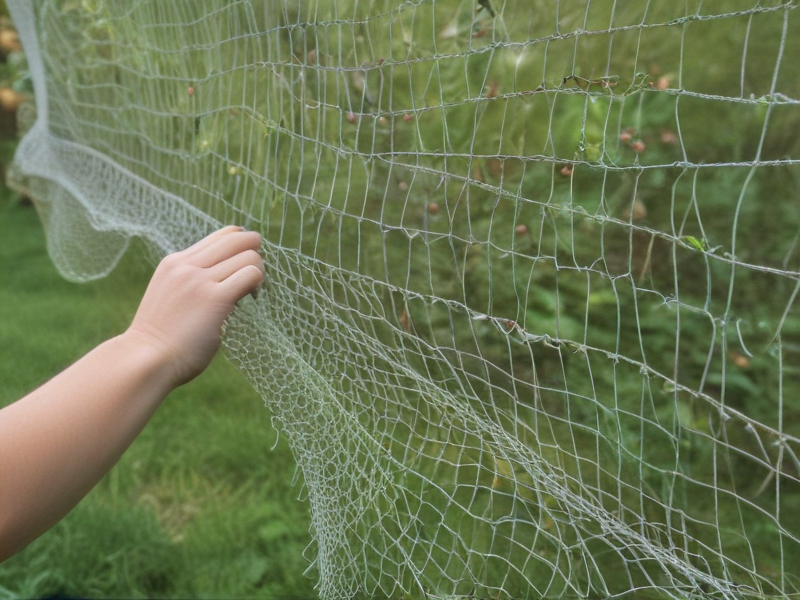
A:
x: 60, y: 440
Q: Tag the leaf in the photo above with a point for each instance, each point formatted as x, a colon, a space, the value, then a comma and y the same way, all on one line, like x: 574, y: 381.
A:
x: 700, y: 245
x: 737, y: 383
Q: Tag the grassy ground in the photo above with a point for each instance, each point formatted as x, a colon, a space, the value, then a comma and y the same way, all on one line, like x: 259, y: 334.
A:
x: 200, y: 506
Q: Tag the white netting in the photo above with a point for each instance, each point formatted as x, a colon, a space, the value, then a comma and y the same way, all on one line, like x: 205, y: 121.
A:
x: 529, y: 323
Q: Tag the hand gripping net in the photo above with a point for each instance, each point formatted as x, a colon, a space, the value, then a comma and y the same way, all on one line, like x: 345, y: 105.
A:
x: 530, y: 320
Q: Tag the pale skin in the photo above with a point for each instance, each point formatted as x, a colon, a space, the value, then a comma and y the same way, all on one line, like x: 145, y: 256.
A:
x: 57, y: 442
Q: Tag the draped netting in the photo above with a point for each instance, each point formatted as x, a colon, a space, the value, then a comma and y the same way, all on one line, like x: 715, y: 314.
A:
x: 529, y: 322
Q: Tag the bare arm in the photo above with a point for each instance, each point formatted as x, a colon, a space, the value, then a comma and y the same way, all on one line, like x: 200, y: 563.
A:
x: 57, y: 442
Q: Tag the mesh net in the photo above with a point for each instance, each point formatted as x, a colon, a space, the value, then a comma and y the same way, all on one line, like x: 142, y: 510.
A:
x: 530, y: 322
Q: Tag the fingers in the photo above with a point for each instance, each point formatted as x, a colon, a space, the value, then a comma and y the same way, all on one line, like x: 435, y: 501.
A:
x: 211, y: 238
x: 230, y: 257
x: 222, y: 271
x: 242, y: 282
x: 222, y: 245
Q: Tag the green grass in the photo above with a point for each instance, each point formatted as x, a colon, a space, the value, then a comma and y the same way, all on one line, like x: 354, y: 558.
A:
x: 200, y: 506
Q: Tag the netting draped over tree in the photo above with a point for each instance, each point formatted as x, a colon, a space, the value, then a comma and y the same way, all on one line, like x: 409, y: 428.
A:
x: 529, y: 322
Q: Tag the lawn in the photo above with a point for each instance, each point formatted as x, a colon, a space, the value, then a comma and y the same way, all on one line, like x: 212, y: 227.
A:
x: 202, y: 505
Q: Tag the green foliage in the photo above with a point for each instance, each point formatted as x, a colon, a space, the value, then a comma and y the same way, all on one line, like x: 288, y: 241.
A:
x: 200, y: 506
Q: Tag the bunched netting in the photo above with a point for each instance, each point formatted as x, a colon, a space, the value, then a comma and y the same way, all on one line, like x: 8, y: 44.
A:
x: 529, y: 322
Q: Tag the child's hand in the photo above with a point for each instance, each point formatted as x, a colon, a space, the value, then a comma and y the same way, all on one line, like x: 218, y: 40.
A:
x: 192, y: 293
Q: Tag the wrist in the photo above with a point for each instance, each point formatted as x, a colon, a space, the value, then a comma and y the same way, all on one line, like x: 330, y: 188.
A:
x: 153, y: 357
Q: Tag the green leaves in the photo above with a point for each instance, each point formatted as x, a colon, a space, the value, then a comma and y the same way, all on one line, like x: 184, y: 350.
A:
x: 694, y: 242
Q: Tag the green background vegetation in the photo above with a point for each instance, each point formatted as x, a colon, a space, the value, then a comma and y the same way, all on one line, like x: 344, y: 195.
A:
x: 583, y: 247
